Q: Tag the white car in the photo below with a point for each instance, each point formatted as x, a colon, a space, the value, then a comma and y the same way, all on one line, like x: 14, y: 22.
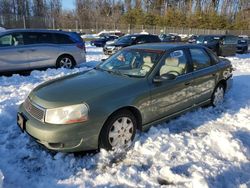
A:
x: 25, y: 49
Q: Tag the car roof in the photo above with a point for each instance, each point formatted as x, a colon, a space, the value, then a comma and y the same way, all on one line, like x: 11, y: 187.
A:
x: 35, y: 30
x: 163, y: 46
x: 138, y: 34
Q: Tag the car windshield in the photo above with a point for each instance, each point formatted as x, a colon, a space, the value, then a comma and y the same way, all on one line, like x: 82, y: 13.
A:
x: 200, y: 39
x: 126, y: 39
x: 167, y: 37
x: 132, y: 62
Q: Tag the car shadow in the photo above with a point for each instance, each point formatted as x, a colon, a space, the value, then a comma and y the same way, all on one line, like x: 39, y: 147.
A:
x: 243, y: 136
x: 232, y: 177
x: 236, y: 175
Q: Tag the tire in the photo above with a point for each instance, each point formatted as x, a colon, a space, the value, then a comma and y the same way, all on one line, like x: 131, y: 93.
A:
x: 218, y: 95
x: 105, y: 53
x: 117, y: 135
x: 65, y: 61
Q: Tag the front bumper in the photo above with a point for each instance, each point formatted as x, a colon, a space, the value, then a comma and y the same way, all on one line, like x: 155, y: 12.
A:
x: 109, y: 51
x: 64, y: 138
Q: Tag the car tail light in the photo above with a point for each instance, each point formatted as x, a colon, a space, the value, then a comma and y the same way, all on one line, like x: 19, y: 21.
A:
x: 81, y: 46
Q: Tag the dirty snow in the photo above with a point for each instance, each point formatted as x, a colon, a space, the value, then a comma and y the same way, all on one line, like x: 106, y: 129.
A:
x: 209, y: 147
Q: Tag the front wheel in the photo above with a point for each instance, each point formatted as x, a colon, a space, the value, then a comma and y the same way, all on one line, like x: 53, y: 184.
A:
x: 218, y: 95
x: 119, y: 131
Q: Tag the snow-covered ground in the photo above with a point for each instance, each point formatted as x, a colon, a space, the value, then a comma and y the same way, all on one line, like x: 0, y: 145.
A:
x: 209, y: 147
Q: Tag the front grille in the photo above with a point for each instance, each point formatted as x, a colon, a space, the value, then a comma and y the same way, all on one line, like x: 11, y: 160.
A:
x: 34, y: 110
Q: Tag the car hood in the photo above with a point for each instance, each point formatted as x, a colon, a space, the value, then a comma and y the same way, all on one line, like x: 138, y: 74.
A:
x: 78, y: 88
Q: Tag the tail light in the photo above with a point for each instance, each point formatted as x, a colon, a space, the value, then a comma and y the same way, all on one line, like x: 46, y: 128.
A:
x: 81, y: 46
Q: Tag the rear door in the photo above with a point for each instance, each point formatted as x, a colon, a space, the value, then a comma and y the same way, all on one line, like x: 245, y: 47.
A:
x: 43, y: 52
x: 13, y: 52
x: 204, y: 74
x: 228, y: 45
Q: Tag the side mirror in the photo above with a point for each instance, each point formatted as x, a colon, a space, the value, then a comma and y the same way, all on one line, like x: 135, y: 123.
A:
x: 164, y: 77
x: 103, y: 59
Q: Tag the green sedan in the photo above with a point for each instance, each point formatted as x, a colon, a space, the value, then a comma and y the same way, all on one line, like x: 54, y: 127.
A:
x: 135, y: 88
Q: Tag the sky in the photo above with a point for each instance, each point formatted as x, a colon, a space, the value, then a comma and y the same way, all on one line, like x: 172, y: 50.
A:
x: 68, y: 4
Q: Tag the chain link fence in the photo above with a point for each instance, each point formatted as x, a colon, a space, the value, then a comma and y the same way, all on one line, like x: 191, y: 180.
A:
x: 84, y: 26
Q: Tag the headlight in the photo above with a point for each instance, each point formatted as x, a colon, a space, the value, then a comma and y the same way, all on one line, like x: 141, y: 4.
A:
x: 67, y: 115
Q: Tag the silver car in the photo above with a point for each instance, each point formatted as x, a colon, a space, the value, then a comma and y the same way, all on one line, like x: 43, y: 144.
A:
x: 31, y: 49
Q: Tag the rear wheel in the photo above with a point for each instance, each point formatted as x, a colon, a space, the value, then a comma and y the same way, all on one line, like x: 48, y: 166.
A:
x: 218, y: 95
x: 65, y: 61
x: 119, y: 131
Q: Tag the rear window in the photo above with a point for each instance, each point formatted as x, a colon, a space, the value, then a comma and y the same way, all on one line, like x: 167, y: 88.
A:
x: 76, y: 37
x: 63, y: 39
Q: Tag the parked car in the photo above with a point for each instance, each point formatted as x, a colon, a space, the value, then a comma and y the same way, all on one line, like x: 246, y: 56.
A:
x: 222, y: 45
x: 31, y: 49
x: 129, y: 40
x: 135, y: 88
x: 100, y: 42
x: 192, y: 39
x: 170, y: 38
x: 242, y: 45
x: 107, y: 33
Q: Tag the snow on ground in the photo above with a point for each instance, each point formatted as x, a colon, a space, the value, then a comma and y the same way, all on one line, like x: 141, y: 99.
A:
x: 209, y: 147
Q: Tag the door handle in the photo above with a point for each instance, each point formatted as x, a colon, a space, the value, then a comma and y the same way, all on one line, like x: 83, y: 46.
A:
x: 187, y: 83
x: 21, y: 51
x: 214, y: 74
x: 33, y: 50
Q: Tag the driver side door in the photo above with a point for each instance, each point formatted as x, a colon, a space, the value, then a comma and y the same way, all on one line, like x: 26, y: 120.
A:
x: 171, y: 96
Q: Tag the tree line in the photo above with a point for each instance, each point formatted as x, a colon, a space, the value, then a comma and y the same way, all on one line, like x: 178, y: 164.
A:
x: 208, y: 14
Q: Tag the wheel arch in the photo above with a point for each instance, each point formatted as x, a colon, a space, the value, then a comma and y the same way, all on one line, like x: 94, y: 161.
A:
x: 65, y: 54
x: 135, y: 111
x: 222, y: 82
x: 131, y: 109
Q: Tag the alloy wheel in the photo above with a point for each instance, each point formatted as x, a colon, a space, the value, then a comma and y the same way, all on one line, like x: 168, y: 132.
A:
x: 121, y: 132
x: 218, y: 96
x: 66, y: 63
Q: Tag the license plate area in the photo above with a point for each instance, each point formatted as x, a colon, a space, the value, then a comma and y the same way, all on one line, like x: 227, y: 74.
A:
x: 21, y: 121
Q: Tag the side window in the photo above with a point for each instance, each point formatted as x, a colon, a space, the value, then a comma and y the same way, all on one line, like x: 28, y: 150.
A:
x: 31, y: 38
x: 200, y: 59
x: 15, y: 39
x: 174, y: 63
x: 63, y: 39
x: 230, y: 39
x: 6, y: 40
x: 214, y: 58
x: 45, y: 38
x: 139, y: 39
